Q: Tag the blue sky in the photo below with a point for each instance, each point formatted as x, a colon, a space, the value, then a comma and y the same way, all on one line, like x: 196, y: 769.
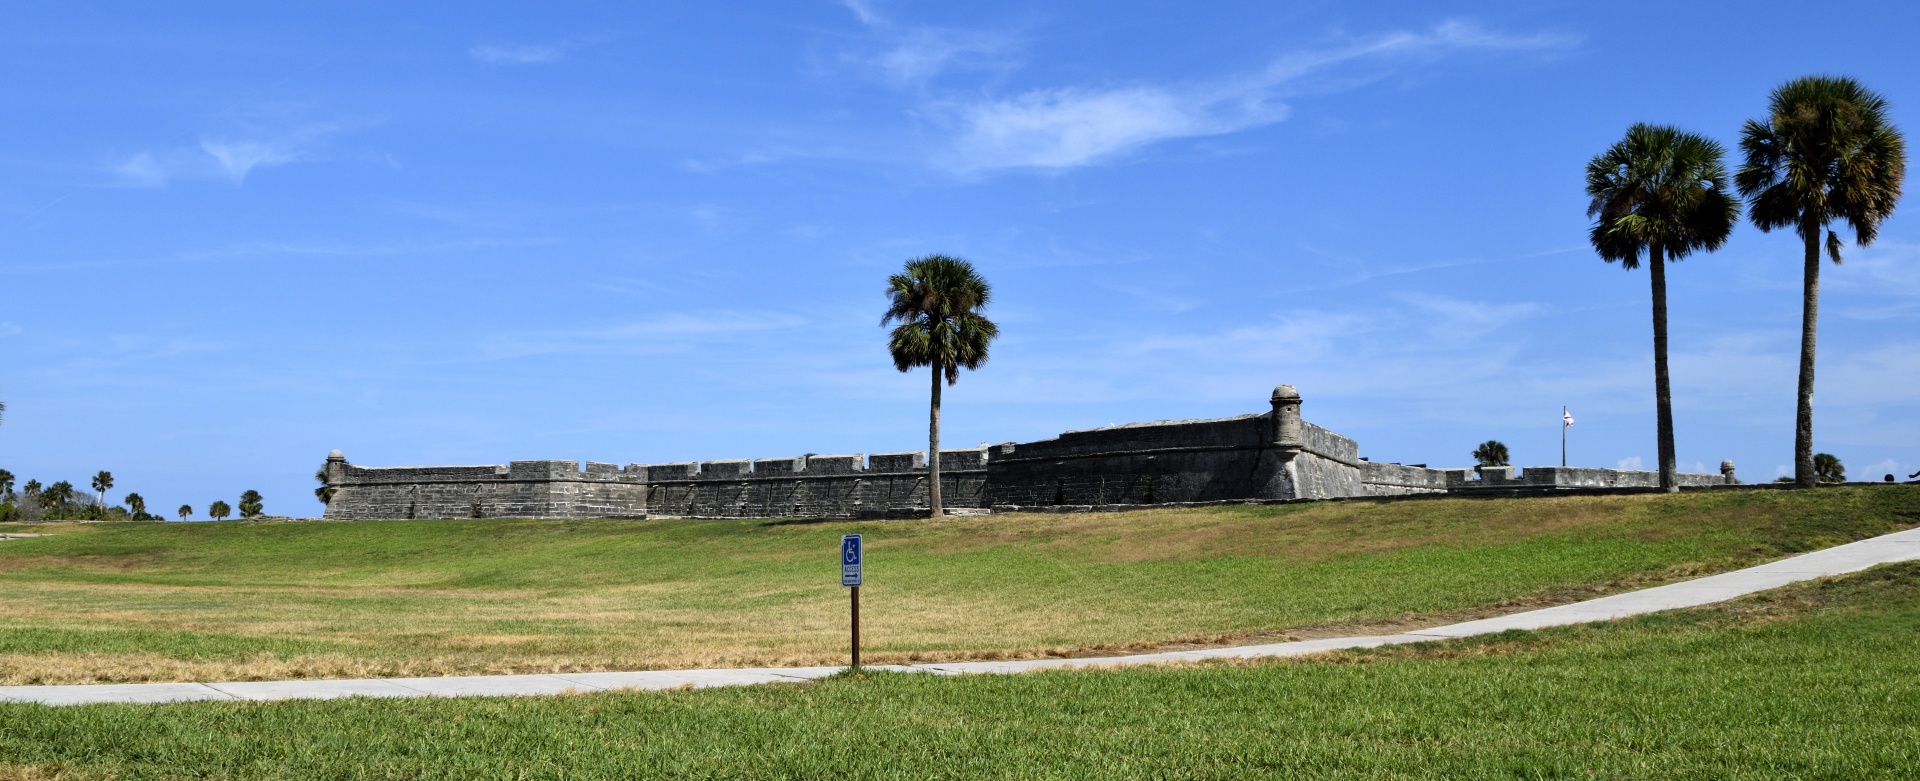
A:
x: 235, y: 237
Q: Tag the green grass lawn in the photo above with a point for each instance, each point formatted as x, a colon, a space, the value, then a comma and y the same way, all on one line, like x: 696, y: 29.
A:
x: 1818, y: 680
x: 234, y: 601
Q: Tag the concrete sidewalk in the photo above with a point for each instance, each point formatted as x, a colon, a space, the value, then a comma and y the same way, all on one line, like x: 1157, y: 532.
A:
x: 1852, y: 557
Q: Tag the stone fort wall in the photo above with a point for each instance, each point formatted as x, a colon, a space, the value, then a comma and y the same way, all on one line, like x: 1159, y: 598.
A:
x: 810, y: 486
x: 1270, y: 456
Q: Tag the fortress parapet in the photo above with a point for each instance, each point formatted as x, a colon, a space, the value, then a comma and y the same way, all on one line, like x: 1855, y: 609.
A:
x: 520, y: 489
x: 882, y: 485
x: 1273, y: 455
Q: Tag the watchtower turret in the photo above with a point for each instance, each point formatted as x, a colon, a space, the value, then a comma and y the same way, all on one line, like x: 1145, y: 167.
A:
x: 1288, y: 434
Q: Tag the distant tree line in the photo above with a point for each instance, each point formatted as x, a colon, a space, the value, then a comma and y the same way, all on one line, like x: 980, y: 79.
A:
x: 59, y: 501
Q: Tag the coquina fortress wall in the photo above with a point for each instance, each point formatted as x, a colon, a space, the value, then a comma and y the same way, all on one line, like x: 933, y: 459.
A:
x: 1272, y: 455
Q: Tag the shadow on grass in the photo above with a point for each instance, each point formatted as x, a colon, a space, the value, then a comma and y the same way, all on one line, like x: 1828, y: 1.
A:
x: 802, y: 522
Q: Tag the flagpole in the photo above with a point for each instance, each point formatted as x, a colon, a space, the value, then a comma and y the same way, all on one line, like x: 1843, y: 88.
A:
x: 1563, y: 436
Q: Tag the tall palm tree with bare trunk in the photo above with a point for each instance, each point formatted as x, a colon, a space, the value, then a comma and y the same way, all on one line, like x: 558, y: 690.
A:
x: 1663, y: 192
x: 1825, y: 153
x: 936, y: 302
x: 103, y: 482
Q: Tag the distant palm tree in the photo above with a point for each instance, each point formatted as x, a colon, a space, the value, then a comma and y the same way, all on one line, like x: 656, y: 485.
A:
x: 6, y: 483
x: 325, y: 492
x: 1492, y: 452
x: 1828, y: 469
x: 936, y: 300
x: 1826, y: 152
x: 101, y: 483
x: 186, y: 511
x: 1664, y: 192
x: 32, y: 490
x: 249, y: 503
x: 219, y: 510
x: 137, y: 506
x: 57, y: 494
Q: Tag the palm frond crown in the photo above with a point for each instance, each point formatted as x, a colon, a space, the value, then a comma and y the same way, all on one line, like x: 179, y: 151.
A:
x: 935, y: 302
x: 1492, y: 452
x: 1826, y: 152
x: 1659, y: 186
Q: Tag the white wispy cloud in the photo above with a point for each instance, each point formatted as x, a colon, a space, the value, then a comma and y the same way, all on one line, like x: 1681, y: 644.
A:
x: 1470, y: 316
x: 266, y: 139
x: 923, y: 53
x: 532, y: 53
x: 863, y: 11
x: 1397, y: 351
x: 88, y: 355
x: 1879, y: 471
x: 668, y: 333
x: 237, y: 157
x: 912, y: 55
x: 141, y: 170
x: 1882, y: 282
x: 1065, y: 127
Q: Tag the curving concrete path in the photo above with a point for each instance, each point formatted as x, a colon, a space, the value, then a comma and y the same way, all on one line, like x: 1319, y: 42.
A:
x: 1852, y: 557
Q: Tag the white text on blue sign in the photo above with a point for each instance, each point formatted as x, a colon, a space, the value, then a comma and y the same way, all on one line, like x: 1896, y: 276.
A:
x: 850, y: 560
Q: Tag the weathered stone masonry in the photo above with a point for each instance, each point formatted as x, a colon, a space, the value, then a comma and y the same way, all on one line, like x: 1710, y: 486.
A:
x: 1271, y: 455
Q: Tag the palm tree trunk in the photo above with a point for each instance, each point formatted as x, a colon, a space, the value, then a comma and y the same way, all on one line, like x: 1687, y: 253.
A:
x: 1662, y: 386
x: 1803, y: 475
x: 933, y: 446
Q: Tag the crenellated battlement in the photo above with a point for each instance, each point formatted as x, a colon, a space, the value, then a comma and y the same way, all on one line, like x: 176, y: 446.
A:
x: 804, y: 467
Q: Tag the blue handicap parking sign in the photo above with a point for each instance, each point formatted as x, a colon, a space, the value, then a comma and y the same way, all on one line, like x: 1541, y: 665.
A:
x: 850, y: 560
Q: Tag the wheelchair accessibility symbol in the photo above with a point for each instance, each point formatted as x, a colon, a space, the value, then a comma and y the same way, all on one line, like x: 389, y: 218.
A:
x: 850, y: 560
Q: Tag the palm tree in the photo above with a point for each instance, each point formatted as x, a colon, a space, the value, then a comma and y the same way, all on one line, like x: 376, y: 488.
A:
x: 1664, y: 192
x: 250, y: 503
x: 1828, y: 469
x: 6, y: 483
x: 1492, y: 452
x: 57, y: 494
x: 1826, y: 152
x: 219, y: 510
x: 186, y: 511
x: 936, y: 300
x: 137, y: 506
x: 101, y: 482
x: 325, y: 492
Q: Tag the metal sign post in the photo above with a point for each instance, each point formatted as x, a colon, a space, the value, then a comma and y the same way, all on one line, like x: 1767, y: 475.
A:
x: 850, y: 560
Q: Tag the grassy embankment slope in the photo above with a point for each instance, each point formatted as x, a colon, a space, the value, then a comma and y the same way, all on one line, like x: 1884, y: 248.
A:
x: 226, y: 601
x: 1813, y: 681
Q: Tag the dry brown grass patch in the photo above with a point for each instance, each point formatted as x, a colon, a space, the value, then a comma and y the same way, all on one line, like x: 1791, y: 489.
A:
x: 1305, y: 533
x: 98, y: 563
x: 55, y: 772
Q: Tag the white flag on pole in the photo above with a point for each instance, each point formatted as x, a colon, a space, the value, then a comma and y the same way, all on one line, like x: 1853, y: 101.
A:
x: 1566, y: 418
